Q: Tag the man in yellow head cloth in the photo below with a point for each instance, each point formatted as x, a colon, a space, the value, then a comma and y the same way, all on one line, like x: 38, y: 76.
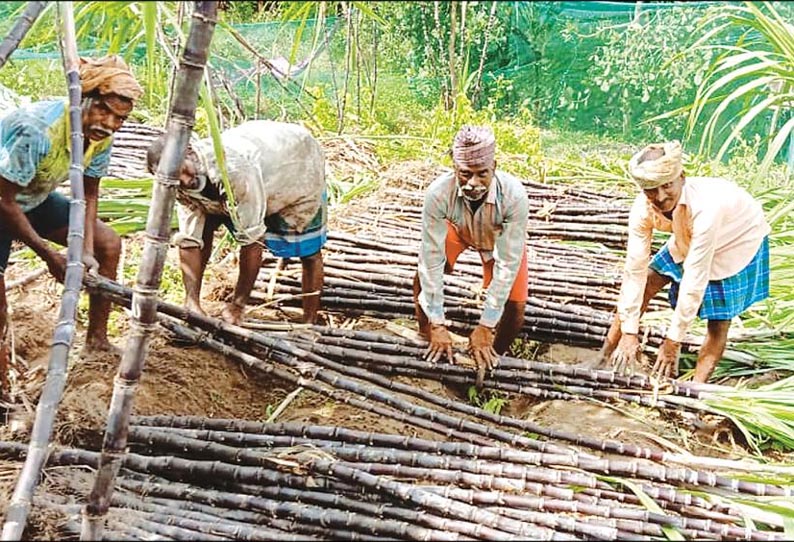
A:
x: 34, y: 160
x: 716, y: 260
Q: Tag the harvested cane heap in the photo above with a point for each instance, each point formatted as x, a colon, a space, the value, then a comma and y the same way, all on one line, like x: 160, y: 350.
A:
x: 482, y: 476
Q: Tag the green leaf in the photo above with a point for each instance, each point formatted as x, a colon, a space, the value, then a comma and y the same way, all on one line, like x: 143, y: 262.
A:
x: 670, y: 532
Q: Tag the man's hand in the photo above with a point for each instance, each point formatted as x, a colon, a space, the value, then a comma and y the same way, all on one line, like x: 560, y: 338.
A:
x: 440, y: 344
x: 91, y: 264
x: 626, y: 355
x: 56, y: 263
x: 481, y: 346
x: 667, y: 359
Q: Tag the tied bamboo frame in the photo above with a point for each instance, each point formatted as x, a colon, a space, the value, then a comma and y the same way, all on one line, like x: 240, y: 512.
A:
x: 144, y: 299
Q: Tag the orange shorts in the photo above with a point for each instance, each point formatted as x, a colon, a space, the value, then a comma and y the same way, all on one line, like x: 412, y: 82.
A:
x: 455, y: 246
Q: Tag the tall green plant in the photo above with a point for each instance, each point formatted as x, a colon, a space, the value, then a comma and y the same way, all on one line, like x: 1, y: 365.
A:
x: 754, y: 75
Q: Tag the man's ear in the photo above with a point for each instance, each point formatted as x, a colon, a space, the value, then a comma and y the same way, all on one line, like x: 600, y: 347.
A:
x: 494, y: 165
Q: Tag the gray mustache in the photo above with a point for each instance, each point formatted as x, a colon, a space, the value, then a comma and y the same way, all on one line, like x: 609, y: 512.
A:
x: 474, y: 189
x: 101, y: 130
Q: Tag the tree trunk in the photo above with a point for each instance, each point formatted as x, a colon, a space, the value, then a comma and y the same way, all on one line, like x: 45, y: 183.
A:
x: 453, y: 63
x: 21, y: 27
x: 145, y: 298
x: 16, y: 516
x: 374, y: 82
x: 340, y: 124
x: 478, y: 80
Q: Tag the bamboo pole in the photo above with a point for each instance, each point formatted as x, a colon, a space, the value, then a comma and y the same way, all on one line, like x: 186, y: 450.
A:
x: 63, y: 335
x: 144, y: 300
x: 20, y: 29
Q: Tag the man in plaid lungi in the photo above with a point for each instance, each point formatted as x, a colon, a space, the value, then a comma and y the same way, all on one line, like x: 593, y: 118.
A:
x: 716, y: 260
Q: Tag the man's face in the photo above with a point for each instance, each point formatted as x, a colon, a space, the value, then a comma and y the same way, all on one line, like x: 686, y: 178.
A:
x: 666, y: 196
x: 188, y: 175
x: 474, y: 180
x: 104, y: 115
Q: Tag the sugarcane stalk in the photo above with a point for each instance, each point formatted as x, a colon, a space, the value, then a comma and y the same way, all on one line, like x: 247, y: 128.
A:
x: 27, y: 279
x: 63, y: 335
x: 430, y: 458
x: 433, y: 501
x: 158, y: 229
x: 599, y: 445
x: 287, y: 527
x: 159, y: 528
x: 407, y: 515
x: 195, y: 447
x: 20, y: 29
x: 306, y: 513
x: 288, y: 354
x: 407, y: 412
x: 550, y: 505
x: 379, y: 342
x: 120, y: 530
x: 201, y: 521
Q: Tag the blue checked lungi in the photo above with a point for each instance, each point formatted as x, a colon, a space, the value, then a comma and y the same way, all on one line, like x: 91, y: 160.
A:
x: 726, y: 298
x: 284, y: 242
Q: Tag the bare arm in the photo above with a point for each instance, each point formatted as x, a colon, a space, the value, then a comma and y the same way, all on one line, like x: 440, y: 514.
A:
x: 18, y: 225
x: 91, y: 206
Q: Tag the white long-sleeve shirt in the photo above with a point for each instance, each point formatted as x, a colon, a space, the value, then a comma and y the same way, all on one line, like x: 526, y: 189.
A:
x: 497, y: 230
x: 717, y: 228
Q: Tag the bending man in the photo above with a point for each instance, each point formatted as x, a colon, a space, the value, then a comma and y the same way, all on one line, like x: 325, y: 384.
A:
x: 277, y: 175
x: 34, y: 160
x: 480, y: 207
x: 717, y: 259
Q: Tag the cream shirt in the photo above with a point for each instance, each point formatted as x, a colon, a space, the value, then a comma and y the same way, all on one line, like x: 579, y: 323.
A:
x: 717, y: 228
x: 273, y: 167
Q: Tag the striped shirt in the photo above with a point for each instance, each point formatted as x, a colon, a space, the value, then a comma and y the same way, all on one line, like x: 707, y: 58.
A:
x: 717, y: 227
x: 497, y: 229
x: 273, y: 167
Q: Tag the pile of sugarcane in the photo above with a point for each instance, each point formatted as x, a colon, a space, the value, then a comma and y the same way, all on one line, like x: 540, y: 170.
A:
x: 572, y: 290
x: 486, y: 476
x: 558, y: 212
x: 190, y: 478
x: 128, y: 153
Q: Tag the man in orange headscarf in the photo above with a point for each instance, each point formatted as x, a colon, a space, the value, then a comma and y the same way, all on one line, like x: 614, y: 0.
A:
x: 716, y: 260
x: 475, y: 206
x: 34, y: 160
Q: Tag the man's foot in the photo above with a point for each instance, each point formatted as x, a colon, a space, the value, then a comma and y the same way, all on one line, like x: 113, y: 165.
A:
x: 100, y: 347
x: 232, y: 314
